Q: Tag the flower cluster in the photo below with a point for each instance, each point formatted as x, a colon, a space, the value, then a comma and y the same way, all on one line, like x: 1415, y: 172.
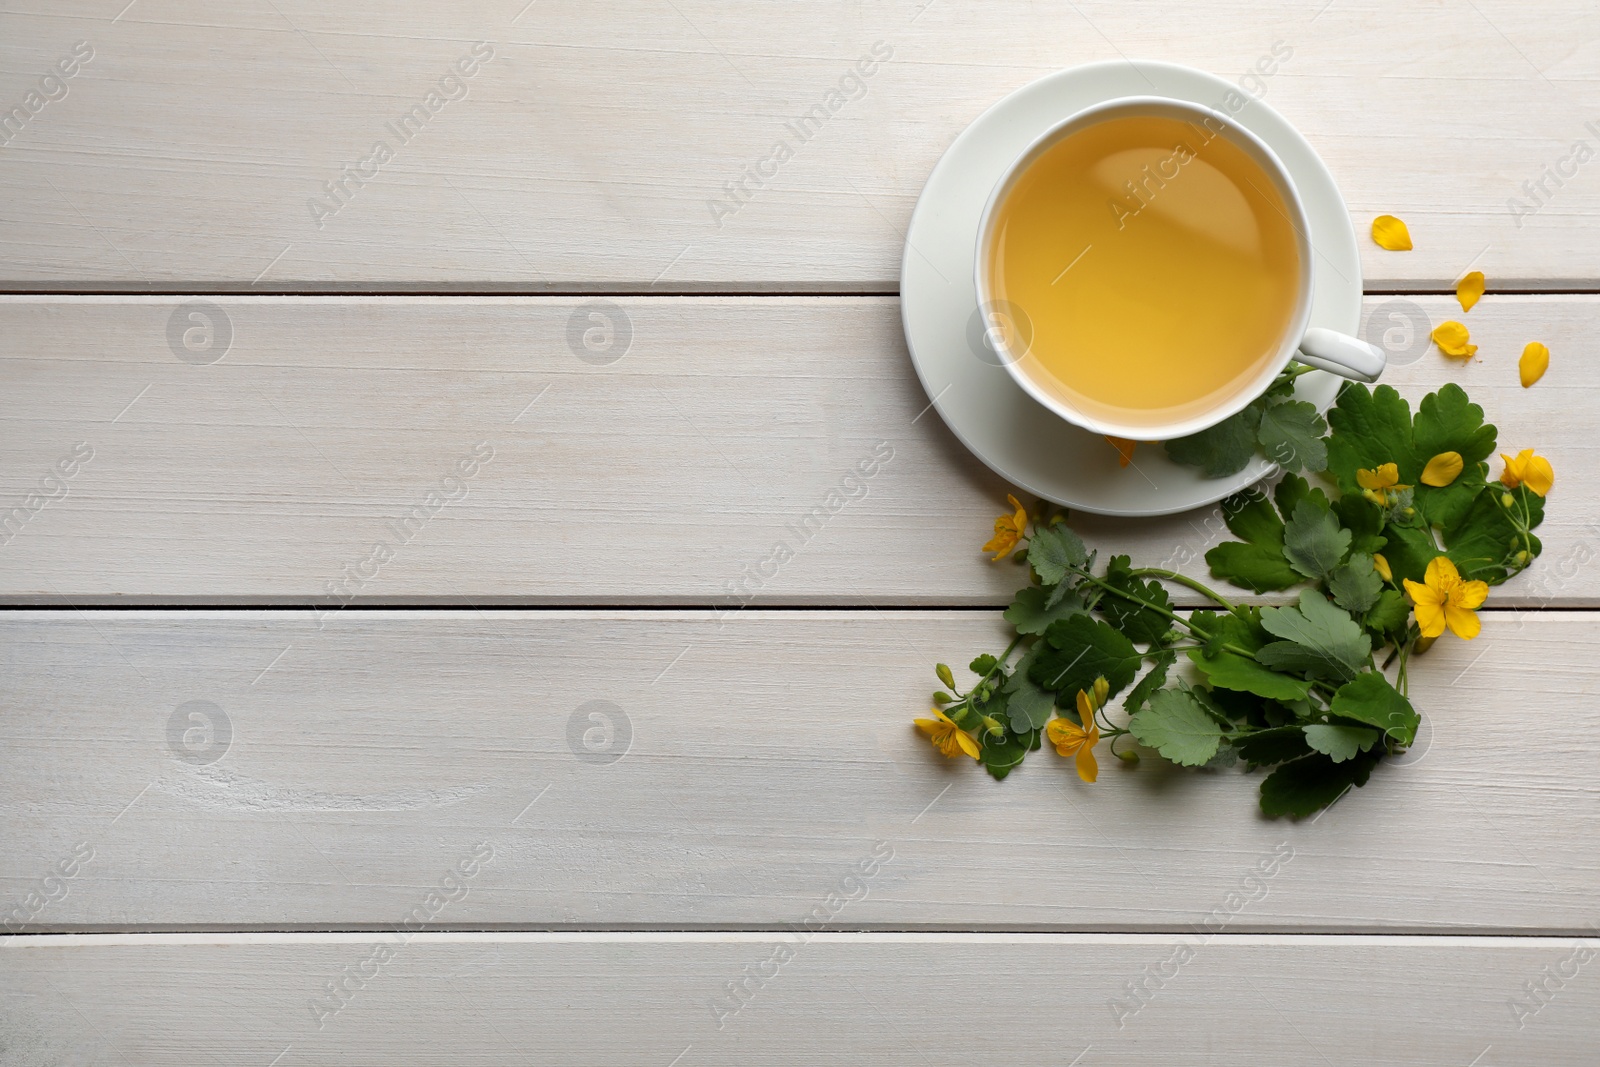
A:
x: 1404, y: 548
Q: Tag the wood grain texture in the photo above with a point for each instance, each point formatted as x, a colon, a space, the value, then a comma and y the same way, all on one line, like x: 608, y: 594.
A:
x: 757, y: 766
x: 648, y: 999
x: 587, y: 152
x: 666, y: 477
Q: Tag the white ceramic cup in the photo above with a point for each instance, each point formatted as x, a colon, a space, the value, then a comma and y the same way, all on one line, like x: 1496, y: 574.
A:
x: 1327, y: 350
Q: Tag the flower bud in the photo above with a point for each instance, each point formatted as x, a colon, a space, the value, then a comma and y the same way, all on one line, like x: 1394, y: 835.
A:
x: 1523, y: 557
x: 944, y: 675
x: 942, y: 698
x: 963, y: 716
x: 1128, y: 756
x: 1102, y: 689
x: 1506, y: 500
x: 994, y: 727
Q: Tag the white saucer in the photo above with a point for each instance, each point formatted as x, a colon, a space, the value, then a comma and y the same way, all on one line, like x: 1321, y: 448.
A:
x: 1004, y: 427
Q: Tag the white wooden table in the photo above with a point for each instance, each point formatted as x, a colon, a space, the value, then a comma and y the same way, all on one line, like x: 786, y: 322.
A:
x: 524, y: 788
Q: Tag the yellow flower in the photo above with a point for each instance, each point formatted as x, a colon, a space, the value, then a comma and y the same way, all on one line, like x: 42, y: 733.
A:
x: 1377, y: 484
x: 1445, y: 600
x: 1391, y: 234
x: 1008, y: 530
x: 947, y: 737
x: 1072, y: 739
x: 1442, y: 469
x: 1451, y: 337
x: 1469, y: 289
x: 1124, y: 449
x: 1534, y: 362
x: 1381, y: 565
x: 1530, y: 470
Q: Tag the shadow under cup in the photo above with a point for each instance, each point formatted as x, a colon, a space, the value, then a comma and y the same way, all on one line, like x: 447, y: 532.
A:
x: 1146, y: 268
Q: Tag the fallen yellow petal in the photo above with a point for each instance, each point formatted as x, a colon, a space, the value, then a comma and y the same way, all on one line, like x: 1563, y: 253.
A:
x: 1451, y: 337
x: 1442, y: 469
x: 1534, y: 362
x: 1124, y: 449
x: 1381, y: 565
x: 1469, y: 289
x: 1391, y: 233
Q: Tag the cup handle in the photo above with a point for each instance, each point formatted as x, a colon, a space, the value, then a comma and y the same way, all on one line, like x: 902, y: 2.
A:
x: 1346, y: 356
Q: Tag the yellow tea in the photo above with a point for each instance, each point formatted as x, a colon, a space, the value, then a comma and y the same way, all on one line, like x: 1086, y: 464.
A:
x: 1157, y: 267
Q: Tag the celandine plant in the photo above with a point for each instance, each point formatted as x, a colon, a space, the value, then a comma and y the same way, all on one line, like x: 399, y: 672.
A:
x: 1402, y: 546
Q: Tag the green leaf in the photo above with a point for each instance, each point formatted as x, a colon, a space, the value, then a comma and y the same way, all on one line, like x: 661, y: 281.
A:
x: 1053, y: 549
x: 1389, y: 614
x: 1370, y: 699
x: 1291, y: 436
x: 1231, y: 671
x: 1368, y: 429
x: 1251, y: 517
x: 1293, y: 489
x: 1176, y: 726
x: 1448, y: 422
x: 1001, y: 756
x: 1241, y: 628
x: 1364, y: 520
x: 982, y: 665
x: 1340, y: 743
x: 1374, y: 428
x: 1236, y: 707
x: 1255, y: 563
x: 1355, y: 584
x: 1317, y: 637
x: 1223, y: 449
x: 1258, y: 568
x: 1483, y: 542
x: 1032, y: 613
x: 1313, y: 782
x: 1409, y: 551
x: 1028, y: 705
x: 1297, y: 659
x: 1313, y: 541
x: 1277, y: 745
x: 1079, y: 649
x: 1153, y: 680
x: 1445, y: 507
x: 1141, y: 624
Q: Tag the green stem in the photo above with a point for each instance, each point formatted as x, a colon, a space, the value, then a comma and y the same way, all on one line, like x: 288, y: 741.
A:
x: 1157, y: 608
x: 1183, y: 579
x: 999, y: 663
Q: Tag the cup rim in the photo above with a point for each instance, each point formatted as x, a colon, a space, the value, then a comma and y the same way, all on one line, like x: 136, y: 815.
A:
x: 1242, y: 137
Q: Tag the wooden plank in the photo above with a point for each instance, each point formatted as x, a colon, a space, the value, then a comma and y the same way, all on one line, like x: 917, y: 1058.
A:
x: 648, y: 769
x: 589, y: 150
x: 169, y: 1001
x: 670, y: 476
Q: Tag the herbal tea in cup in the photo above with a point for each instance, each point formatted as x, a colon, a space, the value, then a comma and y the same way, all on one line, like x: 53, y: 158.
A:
x: 1147, y: 266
